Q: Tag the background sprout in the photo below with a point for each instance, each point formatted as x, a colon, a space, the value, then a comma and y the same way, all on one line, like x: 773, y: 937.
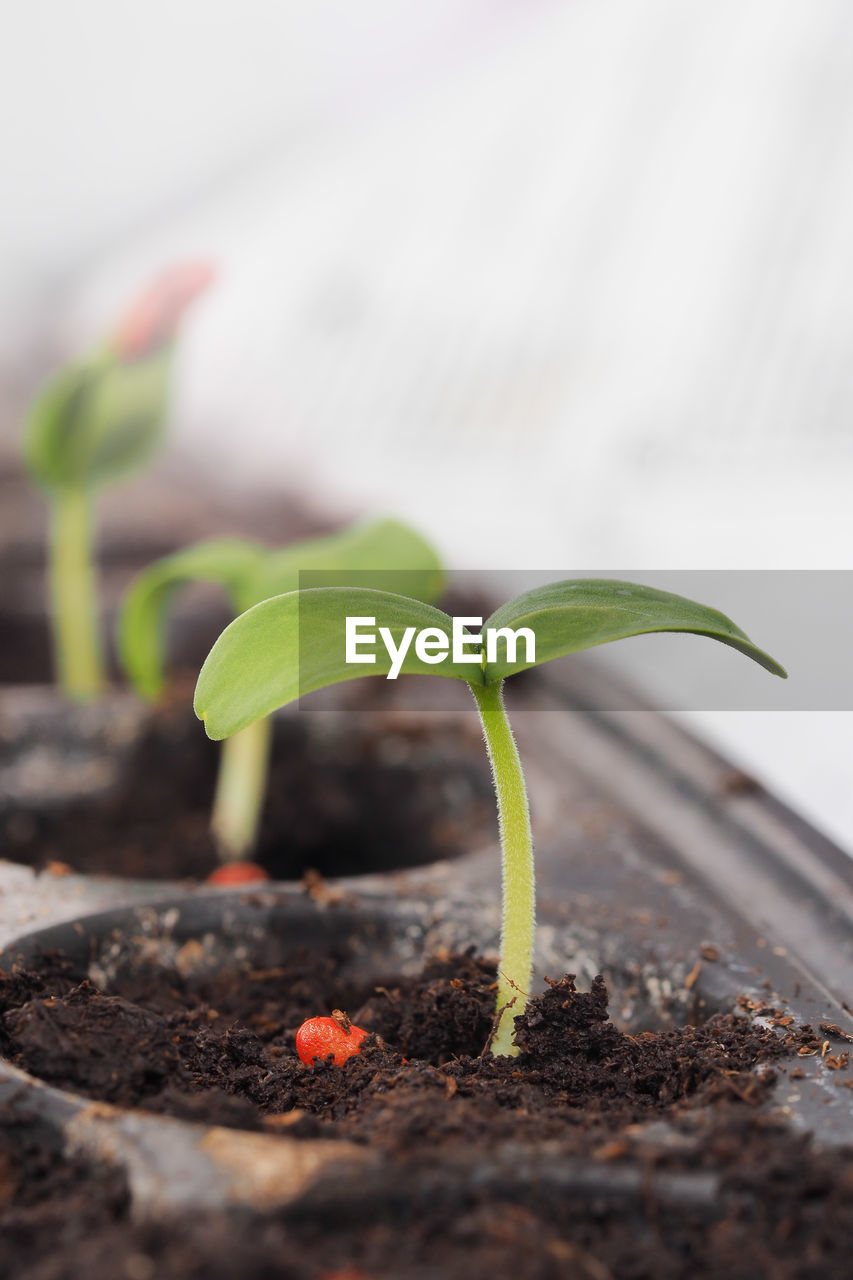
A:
x: 382, y: 554
x: 295, y: 643
x: 96, y: 421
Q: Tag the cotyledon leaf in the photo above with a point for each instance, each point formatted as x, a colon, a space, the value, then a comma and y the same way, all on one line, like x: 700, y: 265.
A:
x: 141, y: 626
x: 294, y: 644
x: 98, y: 419
x: 384, y: 554
x: 580, y: 613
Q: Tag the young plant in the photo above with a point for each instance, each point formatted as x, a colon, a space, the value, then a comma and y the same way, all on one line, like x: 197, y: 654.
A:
x: 305, y: 640
x: 96, y: 421
x: 382, y: 554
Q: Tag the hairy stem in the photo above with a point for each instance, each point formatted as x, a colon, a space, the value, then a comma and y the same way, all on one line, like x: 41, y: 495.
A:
x: 76, y: 641
x: 519, y: 888
x: 240, y: 789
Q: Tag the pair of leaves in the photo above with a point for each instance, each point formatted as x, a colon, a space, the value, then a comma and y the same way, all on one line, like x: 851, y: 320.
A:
x: 98, y: 420
x: 385, y: 554
x: 295, y: 643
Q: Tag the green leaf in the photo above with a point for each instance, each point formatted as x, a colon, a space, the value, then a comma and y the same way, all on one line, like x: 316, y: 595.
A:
x: 142, y: 621
x: 380, y: 555
x: 295, y: 643
x: 385, y: 555
x: 52, y: 425
x: 98, y: 420
x: 581, y: 613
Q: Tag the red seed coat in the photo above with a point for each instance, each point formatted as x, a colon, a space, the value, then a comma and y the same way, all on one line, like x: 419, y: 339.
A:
x: 154, y: 315
x: 237, y: 873
x: 328, y: 1037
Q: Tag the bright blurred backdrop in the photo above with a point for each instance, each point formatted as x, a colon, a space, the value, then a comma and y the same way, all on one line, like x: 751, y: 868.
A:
x: 570, y: 285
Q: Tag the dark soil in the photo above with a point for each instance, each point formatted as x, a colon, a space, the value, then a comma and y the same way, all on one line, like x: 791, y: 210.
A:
x: 782, y: 1211
x: 221, y: 1048
x: 343, y: 799
x: 49, y: 1206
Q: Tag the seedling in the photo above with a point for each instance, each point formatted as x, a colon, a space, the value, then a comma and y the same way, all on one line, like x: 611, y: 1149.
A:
x: 297, y: 643
x: 94, y: 422
x: 384, y: 553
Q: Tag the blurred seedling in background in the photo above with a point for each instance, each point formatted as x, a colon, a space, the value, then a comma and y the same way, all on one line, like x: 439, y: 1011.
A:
x: 383, y: 554
x: 94, y: 422
x: 289, y: 646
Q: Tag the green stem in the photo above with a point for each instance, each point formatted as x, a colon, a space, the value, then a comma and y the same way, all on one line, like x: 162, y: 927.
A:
x: 519, y: 887
x: 76, y: 641
x: 240, y: 789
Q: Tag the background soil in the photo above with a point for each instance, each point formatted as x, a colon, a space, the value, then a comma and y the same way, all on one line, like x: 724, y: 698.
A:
x: 343, y: 799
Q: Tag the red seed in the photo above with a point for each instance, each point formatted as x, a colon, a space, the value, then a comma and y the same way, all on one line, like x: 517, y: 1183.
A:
x: 334, y: 1037
x: 345, y: 1273
x: 237, y: 873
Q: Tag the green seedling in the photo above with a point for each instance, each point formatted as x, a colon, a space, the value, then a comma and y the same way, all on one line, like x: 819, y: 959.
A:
x: 96, y: 421
x: 296, y: 643
x: 382, y: 554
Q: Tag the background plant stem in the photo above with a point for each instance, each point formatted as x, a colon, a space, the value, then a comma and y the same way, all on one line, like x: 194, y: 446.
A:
x: 519, y: 888
x: 76, y: 640
x: 240, y: 789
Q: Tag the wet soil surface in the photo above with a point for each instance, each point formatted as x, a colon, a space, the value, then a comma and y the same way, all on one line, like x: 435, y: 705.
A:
x: 343, y: 799
x: 717, y: 1186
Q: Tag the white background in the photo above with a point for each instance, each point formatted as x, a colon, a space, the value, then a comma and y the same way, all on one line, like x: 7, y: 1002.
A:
x: 568, y: 284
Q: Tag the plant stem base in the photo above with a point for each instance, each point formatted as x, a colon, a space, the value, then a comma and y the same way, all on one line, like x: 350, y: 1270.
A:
x: 519, y: 889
